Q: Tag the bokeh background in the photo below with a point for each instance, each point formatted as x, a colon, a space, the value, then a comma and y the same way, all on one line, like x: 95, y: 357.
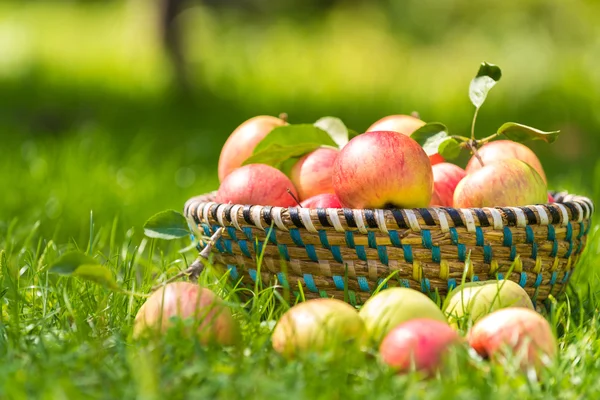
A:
x: 103, y: 110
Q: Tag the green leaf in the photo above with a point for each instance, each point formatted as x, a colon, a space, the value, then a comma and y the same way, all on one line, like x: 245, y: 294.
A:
x: 285, y: 142
x: 85, y: 267
x: 335, y: 128
x: 486, y: 78
x: 166, y: 225
x: 430, y: 136
x: 449, y: 148
x: 522, y: 133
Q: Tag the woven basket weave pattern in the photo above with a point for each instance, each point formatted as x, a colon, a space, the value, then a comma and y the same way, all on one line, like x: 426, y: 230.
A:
x: 328, y: 250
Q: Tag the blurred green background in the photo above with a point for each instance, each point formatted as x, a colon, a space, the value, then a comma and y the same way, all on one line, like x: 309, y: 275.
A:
x: 93, y: 116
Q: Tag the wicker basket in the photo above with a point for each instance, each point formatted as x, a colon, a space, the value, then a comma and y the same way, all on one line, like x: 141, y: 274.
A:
x: 329, y: 250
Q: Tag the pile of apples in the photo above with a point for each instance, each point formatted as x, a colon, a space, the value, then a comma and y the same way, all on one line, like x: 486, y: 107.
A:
x: 381, y: 168
x: 407, y: 329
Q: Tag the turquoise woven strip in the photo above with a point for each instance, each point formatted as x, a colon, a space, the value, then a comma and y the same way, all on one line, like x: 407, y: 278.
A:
x: 244, y: 248
x: 451, y: 284
x: 507, y: 237
x: 426, y: 238
x: 534, y: 251
x: 337, y: 254
x: 487, y: 254
x: 500, y: 276
x: 231, y: 233
x: 371, y: 240
x: 425, y: 286
x: 478, y: 236
x: 408, y: 255
x: 513, y: 253
x: 404, y: 282
x: 258, y: 247
x: 569, y: 234
x: 565, y: 277
x: 323, y: 238
x: 252, y: 273
x: 219, y: 245
x: 529, y: 238
x: 338, y: 281
x: 523, y: 279
x: 228, y: 248
x: 475, y: 278
x: 538, y: 281
x: 350, y: 239
x: 554, y: 248
x: 361, y: 253
x: 551, y: 232
x: 581, y: 230
x: 311, y: 253
x: 385, y: 286
x: 206, y: 229
x: 436, y: 254
x: 296, y: 238
x: 310, y: 283
x: 282, y: 280
x: 569, y: 251
x: 248, y: 232
x: 382, y: 253
x: 233, y: 271
x: 394, y: 238
x: 579, y: 246
x: 363, y: 284
x: 587, y: 230
x: 272, y: 236
x: 454, y: 236
x: 462, y: 252
x: 553, y: 278
x: 283, y: 251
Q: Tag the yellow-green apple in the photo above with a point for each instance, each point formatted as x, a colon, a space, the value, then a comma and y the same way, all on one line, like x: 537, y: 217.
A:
x: 509, y: 182
x: 391, y: 307
x: 319, y: 326
x: 326, y: 200
x: 445, y: 178
x: 241, y: 143
x: 405, y: 124
x: 503, y: 150
x: 420, y: 344
x: 381, y: 170
x: 311, y: 175
x: 474, y: 300
x: 514, y: 332
x: 211, y: 320
x: 258, y: 184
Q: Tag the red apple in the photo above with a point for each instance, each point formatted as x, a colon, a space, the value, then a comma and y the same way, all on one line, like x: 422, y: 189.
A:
x: 212, y: 320
x: 327, y: 200
x: 405, y: 124
x: 311, y: 175
x: 241, y: 143
x: 503, y: 150
x: 258, y: 184
x: 518, y: 331
x: 383, y: 169
x: 445, y: 178
x: 419, y: 343
x: 318, y: 326
x: 503, y: 183
x: 550, y: 198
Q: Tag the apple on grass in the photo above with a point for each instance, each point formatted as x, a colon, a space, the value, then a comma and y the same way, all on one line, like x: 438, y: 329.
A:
x: 504, y: 183
x: 241, y: 143
x: 405, y: 124
x: 327, y: 200
x: 311, y: 175
x: 419, y: 344
x: 319, y: 326
x: 211, y: 320
x: 445, y: 179
x: 383, y: 169
x: 258, y: 184
x: 391, y: 307
x: 514, y: 332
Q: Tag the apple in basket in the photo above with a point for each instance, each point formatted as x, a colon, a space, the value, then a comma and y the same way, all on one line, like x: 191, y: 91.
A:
x: 474, y: 300
x: 405, y: 124
x: 504, y: 150
x: 419, y: 344
x: 383, y: 169
x: 241, y: 143
x: 210, y: 319
x: 319, y: 326
x: 504, y: 183
x: 311, y: 175
x: 445, y: 179
x: 391, y: 307
x: 326, y: 200
x: 258, y: 184
x: 514, y: 332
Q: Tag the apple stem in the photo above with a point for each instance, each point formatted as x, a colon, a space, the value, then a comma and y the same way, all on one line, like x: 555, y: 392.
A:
x: 294, y: 197
x: 283, y: 116
x: 473, y: 123
x: 415, y: 114
x: 473, y: 146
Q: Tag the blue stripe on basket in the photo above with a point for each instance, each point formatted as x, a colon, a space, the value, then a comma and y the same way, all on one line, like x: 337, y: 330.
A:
x: 311, y: 253
x: 219, y: 245
x: 371, y: 239
x: 529, y: 234
x: 579, y: 246
x: 523, y: 279
x: 554, y: 249
x: 453, y: 236
x: 426, y: 238
x: 478, y: 236
x: 587, y: 230
x: 244, y: 248
x: 338, y: 281
x: 323, y: 238
x: 513, y: 253
x: 569, y: 251
x: 553, y: 277
x: 272, y: 236
x: 551, y: 232
x: 283, y: 280
x: 394, y: 238
x: 361, y: 253
x: 475, y: 278
x: 404, y: 283
x: 538, y: 280
x: 310, y: 283
x: 382, y: 253
x: 215, y: 227
x: 462, y: 252
x: 337, y: 254
x: 451, y: 284
x: 385, y: 285
x: 350, y: 239
x: 363, y: 284
x: 231, y: 233
x: 408, y: 255
x: 258, y: 247
x: 228, y: 246
x: 436, y: 254
x: 487, y: 254
x: 534, y: 251
x: 500, y: 276
x: 252, y: 273
x: 569, y: 234
x: 565, y: 277
x: 296, y: 238
x: 232, y: 271
x: 206, y: 229
x: 507, y: 237
x: 425, y: 287
x: 283, y: 251
x: 248, y: 232
x: 581, y: 230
